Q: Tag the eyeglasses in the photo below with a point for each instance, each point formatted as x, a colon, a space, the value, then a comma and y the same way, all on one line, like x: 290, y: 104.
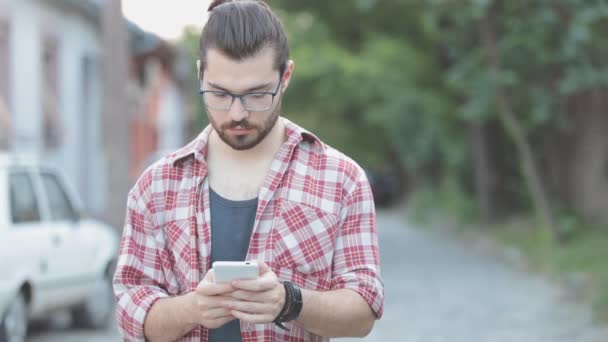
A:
x: 256, y: 102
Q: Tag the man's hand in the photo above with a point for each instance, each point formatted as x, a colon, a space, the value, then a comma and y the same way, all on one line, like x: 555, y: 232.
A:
x: 208, y: 302
x: 259, y: 300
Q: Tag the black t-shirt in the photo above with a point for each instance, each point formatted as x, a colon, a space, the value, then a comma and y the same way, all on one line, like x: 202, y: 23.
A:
x: 231, y: 227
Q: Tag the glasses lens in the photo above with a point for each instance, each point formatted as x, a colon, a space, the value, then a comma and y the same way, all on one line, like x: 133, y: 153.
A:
x: 218, y: 100
x: 258, y: 101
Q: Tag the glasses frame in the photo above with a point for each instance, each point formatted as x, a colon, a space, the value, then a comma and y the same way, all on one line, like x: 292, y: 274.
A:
x: 241, y: 97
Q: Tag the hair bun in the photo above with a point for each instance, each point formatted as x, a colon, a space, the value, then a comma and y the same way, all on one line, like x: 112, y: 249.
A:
x: 215, y: 3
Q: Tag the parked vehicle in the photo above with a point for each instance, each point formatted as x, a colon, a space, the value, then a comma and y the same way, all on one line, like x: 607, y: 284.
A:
x: 52, y: 257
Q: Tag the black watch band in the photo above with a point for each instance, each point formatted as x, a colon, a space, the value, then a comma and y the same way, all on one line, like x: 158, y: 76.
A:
x: 293, y: 304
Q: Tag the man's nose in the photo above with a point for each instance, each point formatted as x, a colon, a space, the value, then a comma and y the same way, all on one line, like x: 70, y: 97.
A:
x: 237, y: 111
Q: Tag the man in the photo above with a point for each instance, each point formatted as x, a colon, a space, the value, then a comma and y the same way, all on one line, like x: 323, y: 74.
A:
x: 251, y: 186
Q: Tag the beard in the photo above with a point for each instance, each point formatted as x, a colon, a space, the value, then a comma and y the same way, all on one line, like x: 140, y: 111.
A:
x: 246, y: 141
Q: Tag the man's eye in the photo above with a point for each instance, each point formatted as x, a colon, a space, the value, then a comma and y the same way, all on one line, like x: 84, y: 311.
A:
x: 220, y: 95
x: 257, y: 96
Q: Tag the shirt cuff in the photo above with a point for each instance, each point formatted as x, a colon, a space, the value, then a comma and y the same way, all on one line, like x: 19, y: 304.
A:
x: 370, y: 290
x: 132, y: 310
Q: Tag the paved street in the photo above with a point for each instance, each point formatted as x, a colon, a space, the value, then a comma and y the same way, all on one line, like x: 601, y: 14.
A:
x: 58, y: 331
x: 439, y: 290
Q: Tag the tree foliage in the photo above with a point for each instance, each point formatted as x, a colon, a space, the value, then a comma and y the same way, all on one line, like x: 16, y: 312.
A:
x: 406, y: 78
x: 401, y: 81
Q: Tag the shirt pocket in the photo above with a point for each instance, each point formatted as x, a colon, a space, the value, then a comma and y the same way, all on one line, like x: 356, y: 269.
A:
x: 305, y: 239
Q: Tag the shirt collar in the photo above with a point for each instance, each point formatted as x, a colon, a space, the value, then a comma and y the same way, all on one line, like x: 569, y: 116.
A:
x: 198, y: 147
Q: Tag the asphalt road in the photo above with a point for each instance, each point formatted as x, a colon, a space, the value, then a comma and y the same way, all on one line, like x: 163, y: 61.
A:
x: 438, y: 289
x: 58, y: 330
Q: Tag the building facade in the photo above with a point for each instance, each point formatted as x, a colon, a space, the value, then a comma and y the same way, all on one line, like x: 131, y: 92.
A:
x: 76, y: 83
x: 51, y: 72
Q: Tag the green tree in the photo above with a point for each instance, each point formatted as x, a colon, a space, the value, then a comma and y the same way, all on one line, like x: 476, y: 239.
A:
x: 422, y: 72
x: 502, y: 98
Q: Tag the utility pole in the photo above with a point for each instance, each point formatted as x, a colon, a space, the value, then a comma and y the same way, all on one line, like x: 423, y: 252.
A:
x: 115, y: 111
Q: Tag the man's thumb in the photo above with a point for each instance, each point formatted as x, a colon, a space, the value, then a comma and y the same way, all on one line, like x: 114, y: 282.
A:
x: 263, y: 267
x: 208, y: 279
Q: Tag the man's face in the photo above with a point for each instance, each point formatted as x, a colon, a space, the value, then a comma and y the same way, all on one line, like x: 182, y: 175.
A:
x: 238, y: 127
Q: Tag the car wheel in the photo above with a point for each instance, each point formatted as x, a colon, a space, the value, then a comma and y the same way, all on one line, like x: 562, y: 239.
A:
x: 96, y: 310
x: 13, y: 327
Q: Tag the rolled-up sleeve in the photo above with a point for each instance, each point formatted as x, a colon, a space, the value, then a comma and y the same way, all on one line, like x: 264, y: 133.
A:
x: 356, y: 263
x: 138, y: 281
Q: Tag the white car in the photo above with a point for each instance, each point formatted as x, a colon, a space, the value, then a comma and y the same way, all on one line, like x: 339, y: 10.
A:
x: 51, y: 256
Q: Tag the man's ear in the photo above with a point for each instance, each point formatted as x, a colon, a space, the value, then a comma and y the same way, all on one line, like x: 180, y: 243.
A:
x: 287, y: 74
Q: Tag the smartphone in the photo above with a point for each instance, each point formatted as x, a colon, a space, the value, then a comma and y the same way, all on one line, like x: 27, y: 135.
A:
x: 227, y: 271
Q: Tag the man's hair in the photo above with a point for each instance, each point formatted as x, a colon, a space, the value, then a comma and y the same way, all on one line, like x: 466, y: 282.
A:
x: 241, y: 28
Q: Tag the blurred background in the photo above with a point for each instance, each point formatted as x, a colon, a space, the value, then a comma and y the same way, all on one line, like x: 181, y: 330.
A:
x: 482, y: 126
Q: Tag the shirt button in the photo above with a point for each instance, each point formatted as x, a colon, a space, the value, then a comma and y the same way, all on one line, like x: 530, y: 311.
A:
x: 248, y: 327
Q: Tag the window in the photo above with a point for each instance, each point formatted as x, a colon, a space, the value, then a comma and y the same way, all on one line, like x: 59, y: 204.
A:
x: 59, y: 205
x: 24, y: 207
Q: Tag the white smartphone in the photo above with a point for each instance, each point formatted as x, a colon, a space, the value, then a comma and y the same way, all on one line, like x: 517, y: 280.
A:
x: 227, y: 271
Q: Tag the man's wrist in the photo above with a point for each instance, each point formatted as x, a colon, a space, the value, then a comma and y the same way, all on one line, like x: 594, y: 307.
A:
x: 188, y: 302
x: 170, y: 318
x: 292, y: 306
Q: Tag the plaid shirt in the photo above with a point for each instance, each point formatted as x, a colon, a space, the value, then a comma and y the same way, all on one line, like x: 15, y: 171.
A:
x: 315, y: 226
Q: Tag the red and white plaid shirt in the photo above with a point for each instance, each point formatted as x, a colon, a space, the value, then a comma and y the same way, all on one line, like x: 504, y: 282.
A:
x: 315, y: 226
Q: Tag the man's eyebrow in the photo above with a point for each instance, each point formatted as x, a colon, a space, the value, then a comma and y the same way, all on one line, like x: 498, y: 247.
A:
x: 254, y: 88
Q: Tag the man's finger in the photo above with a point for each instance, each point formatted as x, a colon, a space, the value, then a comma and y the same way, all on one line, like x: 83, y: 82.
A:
x: 209, y: 276
x: 251, y: 318
x: 217, y: 313
x: 218, y: 322
x: 256, y: 285
x: 261, y: 297
x: 264, y: 268
x: 249, y: 307
x: 209, y: 289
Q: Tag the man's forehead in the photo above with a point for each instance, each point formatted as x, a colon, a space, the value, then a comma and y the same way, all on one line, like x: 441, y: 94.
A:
x: 260, y: 64
x: 240, y: 76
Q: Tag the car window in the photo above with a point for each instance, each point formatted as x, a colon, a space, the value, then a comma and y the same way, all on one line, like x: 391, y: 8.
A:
x: 24, y: 206
x: 59, y: 205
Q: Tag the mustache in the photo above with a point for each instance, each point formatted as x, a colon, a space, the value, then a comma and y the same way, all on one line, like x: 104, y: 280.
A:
x: 242, y: 124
